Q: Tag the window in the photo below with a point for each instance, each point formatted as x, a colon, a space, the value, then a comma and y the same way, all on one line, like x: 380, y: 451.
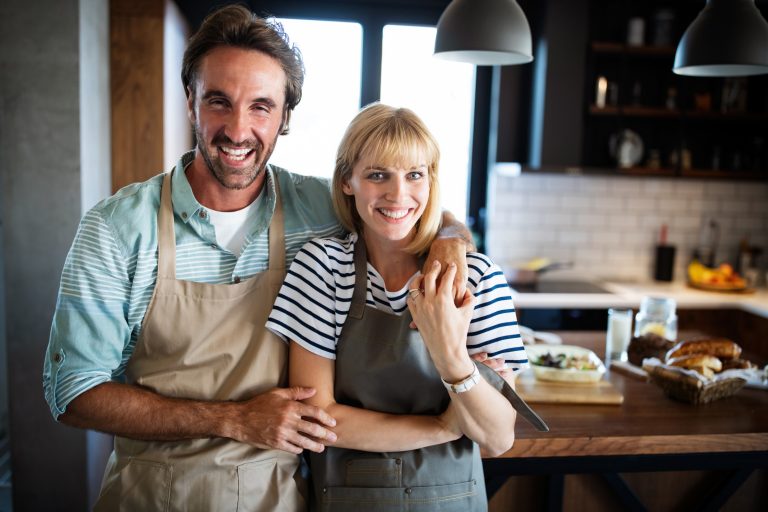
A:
x: 441, y: 93
x: 330, y: 97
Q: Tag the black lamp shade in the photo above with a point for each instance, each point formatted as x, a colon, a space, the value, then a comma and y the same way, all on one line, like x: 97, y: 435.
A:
x: 484, y: 32
x: 727, y: 38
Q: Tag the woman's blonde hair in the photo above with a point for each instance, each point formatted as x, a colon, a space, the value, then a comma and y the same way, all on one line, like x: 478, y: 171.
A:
x: 388, y: 136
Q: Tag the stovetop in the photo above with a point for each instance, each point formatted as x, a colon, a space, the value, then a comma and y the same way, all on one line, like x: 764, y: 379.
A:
x: 559, y: 287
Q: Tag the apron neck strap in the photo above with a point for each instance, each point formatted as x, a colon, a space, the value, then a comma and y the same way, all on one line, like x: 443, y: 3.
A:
x: 166, y: 236
x: 361, y: 279
x: 276, y: 229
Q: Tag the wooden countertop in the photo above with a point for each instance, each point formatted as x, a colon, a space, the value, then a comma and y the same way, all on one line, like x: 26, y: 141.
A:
x: 647, y: 423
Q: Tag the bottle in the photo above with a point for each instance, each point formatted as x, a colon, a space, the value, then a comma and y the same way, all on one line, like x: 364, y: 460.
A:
x: 657, y: 316
x: 664, y: 262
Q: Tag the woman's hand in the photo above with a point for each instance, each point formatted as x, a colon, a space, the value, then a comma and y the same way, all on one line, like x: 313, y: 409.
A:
x: 442, y: 324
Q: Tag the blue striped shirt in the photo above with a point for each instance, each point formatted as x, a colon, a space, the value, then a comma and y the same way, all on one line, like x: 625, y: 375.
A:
x: 110, y: 272
x: 315, y: 299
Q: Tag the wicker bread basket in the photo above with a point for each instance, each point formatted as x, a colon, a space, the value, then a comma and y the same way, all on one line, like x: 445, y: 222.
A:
x: 688, y: 388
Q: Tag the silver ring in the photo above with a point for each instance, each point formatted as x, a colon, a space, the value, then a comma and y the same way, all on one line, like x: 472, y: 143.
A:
x: 414, y: 292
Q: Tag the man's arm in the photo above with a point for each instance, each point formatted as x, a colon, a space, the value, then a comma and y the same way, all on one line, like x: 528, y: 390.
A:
x: 452, y: 244
x: 274, y: 419
x: 363, y: 429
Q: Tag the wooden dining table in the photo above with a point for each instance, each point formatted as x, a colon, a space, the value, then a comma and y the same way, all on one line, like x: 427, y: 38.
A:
x: 647, y: 432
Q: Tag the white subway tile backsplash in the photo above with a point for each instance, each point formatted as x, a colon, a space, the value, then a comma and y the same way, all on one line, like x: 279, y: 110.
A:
x: 731, y: 206
x: 623, y: 221
x: 588, y: 254
x: 573, y: 237
x: 539, y: 200
x: 694, y: 204
x: 688, y: 188
x: 574, y: 202
x: 760, y: 206
x: 719, y: 189
x: 559, y: 183
x: 590, y: 220
x: 591, y: 185
x: 627, y: 186
x: 609, y: 225
x: 641, y: 204
x: 638, y: 239
x: 673, y: 206
x: 537, y: 236
x: 686, y: 222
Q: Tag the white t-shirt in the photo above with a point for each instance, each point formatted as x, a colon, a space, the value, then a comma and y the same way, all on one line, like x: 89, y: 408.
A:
x: 231, y: 228
x: 315, y: 298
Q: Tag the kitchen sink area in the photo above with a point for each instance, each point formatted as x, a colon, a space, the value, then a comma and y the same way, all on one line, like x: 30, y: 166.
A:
x: 571, y: 303
x: 559, y: 286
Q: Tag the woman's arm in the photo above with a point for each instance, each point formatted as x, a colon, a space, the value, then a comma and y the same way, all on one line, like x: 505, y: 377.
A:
x: 361, y: 429
x: 484, y: 414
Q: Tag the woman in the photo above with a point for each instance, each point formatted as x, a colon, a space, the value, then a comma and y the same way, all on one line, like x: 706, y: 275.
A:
x: 404, y: 440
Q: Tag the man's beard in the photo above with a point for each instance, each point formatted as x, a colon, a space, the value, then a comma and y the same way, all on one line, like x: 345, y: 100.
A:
x: 234, y: 179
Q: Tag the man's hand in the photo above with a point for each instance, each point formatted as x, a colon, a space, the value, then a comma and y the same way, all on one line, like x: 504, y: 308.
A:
x: 446, y: 251
x: 277, y: 419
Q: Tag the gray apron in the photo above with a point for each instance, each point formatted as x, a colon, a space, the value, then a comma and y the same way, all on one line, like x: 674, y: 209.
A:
x: 383, y: 365
x: 206, y: 342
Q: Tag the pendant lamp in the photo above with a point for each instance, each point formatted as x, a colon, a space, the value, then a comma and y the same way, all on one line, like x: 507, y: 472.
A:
x: 727, y: 38
x: 484, y: 32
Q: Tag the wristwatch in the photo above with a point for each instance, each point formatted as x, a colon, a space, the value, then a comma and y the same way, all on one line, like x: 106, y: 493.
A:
x: 464, y: 384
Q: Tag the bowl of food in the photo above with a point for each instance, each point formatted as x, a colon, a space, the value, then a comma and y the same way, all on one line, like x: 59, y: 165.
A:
x: 565, y: 363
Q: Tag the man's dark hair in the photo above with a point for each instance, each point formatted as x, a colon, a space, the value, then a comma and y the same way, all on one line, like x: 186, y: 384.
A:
x: 237, y: 26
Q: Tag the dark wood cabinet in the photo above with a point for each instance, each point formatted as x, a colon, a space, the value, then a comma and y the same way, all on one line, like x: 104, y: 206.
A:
x: 641, y: 118
x: 592, y: 82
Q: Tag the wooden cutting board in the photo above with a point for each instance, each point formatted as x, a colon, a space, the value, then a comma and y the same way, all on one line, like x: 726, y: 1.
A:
x: 545, y: 392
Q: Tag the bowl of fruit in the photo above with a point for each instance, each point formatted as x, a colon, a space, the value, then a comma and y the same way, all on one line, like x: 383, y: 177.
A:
x: 719, y: 279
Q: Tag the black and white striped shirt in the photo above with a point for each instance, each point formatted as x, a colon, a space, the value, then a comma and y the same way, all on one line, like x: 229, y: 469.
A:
x: 315, y: 298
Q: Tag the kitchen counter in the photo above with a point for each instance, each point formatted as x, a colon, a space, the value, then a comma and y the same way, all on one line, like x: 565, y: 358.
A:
x: 648, y: 432
x: 629, y: 295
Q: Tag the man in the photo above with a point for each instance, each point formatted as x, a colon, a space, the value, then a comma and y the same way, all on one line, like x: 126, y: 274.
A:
x: 158, y: 335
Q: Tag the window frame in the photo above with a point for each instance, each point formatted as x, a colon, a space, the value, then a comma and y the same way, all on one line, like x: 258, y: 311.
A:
x: 373, y: 15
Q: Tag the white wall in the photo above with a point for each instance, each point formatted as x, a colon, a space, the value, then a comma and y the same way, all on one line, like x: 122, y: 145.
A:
x: 608, y: 226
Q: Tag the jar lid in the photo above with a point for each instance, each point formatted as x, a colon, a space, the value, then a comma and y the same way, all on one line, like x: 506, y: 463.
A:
x: 658, y: 306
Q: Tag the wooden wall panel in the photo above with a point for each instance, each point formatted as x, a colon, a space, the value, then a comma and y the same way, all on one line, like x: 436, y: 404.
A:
x: 136, y: 81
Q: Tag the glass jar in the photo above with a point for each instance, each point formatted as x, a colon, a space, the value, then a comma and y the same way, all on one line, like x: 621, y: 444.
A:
x: 657, y: 316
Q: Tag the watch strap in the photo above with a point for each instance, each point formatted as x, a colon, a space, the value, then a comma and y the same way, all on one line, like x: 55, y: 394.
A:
x: 465, y: 384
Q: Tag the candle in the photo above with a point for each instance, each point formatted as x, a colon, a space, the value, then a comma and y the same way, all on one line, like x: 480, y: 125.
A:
x: 602, y: 88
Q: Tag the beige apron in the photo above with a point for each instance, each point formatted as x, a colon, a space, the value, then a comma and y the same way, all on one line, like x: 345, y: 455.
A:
x: 206, y: 342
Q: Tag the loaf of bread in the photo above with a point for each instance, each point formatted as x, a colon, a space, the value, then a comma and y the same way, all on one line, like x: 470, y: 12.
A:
x: 738, y: 364
x: 722, y: 348
x: 697, y: 361
x: 702, y: 363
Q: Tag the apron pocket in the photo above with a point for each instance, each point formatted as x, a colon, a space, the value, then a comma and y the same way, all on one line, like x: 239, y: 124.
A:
x: 461, y: 497
x: 141, y: 485
x: 374, y: 473
x: 269, y: 485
